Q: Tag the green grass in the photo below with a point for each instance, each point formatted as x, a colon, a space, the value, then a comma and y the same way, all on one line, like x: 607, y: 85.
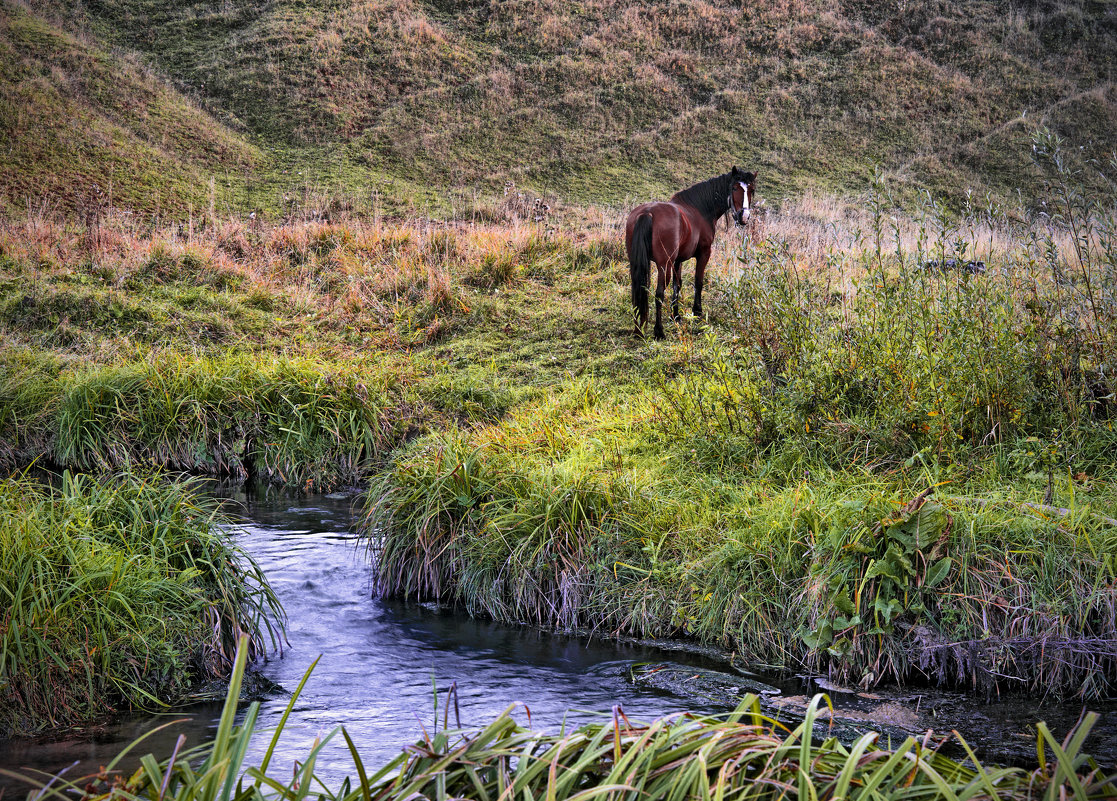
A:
x: 763, y: 485
x: 87, y: 130
x: 746, y: 483
x: 302, y: 423
x: 740, y: 756
x: 118, y: 593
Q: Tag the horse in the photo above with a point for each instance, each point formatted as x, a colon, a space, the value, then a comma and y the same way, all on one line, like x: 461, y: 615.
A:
x: 680, y: 229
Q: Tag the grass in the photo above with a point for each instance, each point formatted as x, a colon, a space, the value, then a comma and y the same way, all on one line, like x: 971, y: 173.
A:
x: 87, y: 130
x: 860, y: 467
x: 298, y: 423
x: 244, y: 350
x: 742, y: 755
x: 759, y: 481
x: 422, y: 109
x: 118, y: 593
x: 854, y: 466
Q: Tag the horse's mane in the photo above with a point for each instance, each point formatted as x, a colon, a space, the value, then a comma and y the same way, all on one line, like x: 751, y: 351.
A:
x: 708, y: 196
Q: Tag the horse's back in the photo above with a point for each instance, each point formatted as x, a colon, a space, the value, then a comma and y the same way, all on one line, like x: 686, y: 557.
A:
x: 656, y: 208
x: 663, y: 215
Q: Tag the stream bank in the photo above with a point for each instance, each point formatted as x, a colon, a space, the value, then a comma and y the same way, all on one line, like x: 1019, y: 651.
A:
x: 382, y: 663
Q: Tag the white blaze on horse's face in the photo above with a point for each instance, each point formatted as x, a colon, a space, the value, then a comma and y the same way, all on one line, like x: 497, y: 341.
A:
x: 746, y: 211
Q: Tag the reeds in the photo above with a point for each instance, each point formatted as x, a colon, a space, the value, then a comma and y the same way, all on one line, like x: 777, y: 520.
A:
x: 290, y: 421
x: 118, y: 593
x: 504, y: 539
x: 740, y: 756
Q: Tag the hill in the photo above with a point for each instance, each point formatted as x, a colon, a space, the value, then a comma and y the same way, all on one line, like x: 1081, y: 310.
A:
x: 603, y: 101
x: 84, y: 128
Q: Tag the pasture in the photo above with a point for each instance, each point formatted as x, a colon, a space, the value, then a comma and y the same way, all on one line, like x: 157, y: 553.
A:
x: 852, y: 465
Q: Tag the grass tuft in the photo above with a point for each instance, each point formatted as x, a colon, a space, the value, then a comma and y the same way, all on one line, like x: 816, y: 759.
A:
x: 118, y: 593
x: 742, y: 756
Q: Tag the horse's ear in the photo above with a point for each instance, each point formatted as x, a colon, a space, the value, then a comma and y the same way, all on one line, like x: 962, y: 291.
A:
x: 735, y: 170
x: 750, y: 177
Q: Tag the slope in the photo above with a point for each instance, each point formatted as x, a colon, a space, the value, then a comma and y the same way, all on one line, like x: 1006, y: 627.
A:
x: 602, y: 101
x: 82, y: 128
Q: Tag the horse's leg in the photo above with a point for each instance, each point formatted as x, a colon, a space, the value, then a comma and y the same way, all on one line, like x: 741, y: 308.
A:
x: 701, y: 258
x: 676, y: 288
x: 640, y: 310
x: 660, y: 295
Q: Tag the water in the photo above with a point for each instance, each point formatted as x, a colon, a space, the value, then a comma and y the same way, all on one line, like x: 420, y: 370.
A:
x: 380, y: 662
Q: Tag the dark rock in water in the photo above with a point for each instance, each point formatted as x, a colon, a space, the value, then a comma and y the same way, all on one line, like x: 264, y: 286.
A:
x: 699, y: 682
x: 1000, y: 733
x: 954, y: 265
x: 254, y: 686
x: 891, y: 718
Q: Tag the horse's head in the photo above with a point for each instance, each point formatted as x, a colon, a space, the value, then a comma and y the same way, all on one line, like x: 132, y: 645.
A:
x: 740, y: 195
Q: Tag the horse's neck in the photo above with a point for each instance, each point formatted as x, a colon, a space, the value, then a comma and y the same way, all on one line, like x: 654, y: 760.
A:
x: 709, y: 207
x: 710, y: 216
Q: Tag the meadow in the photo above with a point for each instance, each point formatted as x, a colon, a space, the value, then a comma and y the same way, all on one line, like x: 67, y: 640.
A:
x: 414, y: 107
x: 857, y: 465
x: 321, y: 246
x: 862, y: 464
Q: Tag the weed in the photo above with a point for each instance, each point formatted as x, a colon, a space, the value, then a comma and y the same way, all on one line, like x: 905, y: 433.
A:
x: 743, y: 755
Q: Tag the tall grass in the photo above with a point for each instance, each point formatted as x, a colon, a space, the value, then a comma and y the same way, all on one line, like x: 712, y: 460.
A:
x: 118, y: 593
x: 742, y: 756
x: 216, y: 283
x: 296, y: 422
x: 865, y: 578
x: 880, y: 353
x: 282, y: 351
x: 511, y: 540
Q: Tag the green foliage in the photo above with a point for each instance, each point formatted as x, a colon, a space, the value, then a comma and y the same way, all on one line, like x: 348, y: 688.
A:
x: 741, y: 756
x: 294, y: 422
x: 513, y: 541
x: 741, y: 483
x: 902, y: 361
x: 118, y: 593
x: 763, y: 484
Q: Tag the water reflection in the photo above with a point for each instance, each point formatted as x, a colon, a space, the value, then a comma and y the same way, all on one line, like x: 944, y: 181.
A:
x: 380, y: 662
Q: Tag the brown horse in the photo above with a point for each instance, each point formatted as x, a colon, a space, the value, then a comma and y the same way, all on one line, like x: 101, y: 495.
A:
x: 680, y: 229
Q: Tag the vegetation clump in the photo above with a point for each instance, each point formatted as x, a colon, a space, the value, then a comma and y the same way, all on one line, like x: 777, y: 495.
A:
x: 859, y: 466
x: 122, y: 592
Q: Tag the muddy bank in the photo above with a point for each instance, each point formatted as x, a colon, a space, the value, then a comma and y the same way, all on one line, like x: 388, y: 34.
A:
x: 1002, y: 731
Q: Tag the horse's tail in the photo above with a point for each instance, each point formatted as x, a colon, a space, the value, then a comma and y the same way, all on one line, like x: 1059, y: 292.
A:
x: 639, y: 263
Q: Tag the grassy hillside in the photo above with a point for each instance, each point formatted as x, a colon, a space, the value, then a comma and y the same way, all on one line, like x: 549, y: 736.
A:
x: 605, y: 100
x: 82, y: 128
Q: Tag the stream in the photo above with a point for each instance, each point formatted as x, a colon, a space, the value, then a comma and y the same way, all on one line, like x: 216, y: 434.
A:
x: 381, y: 662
